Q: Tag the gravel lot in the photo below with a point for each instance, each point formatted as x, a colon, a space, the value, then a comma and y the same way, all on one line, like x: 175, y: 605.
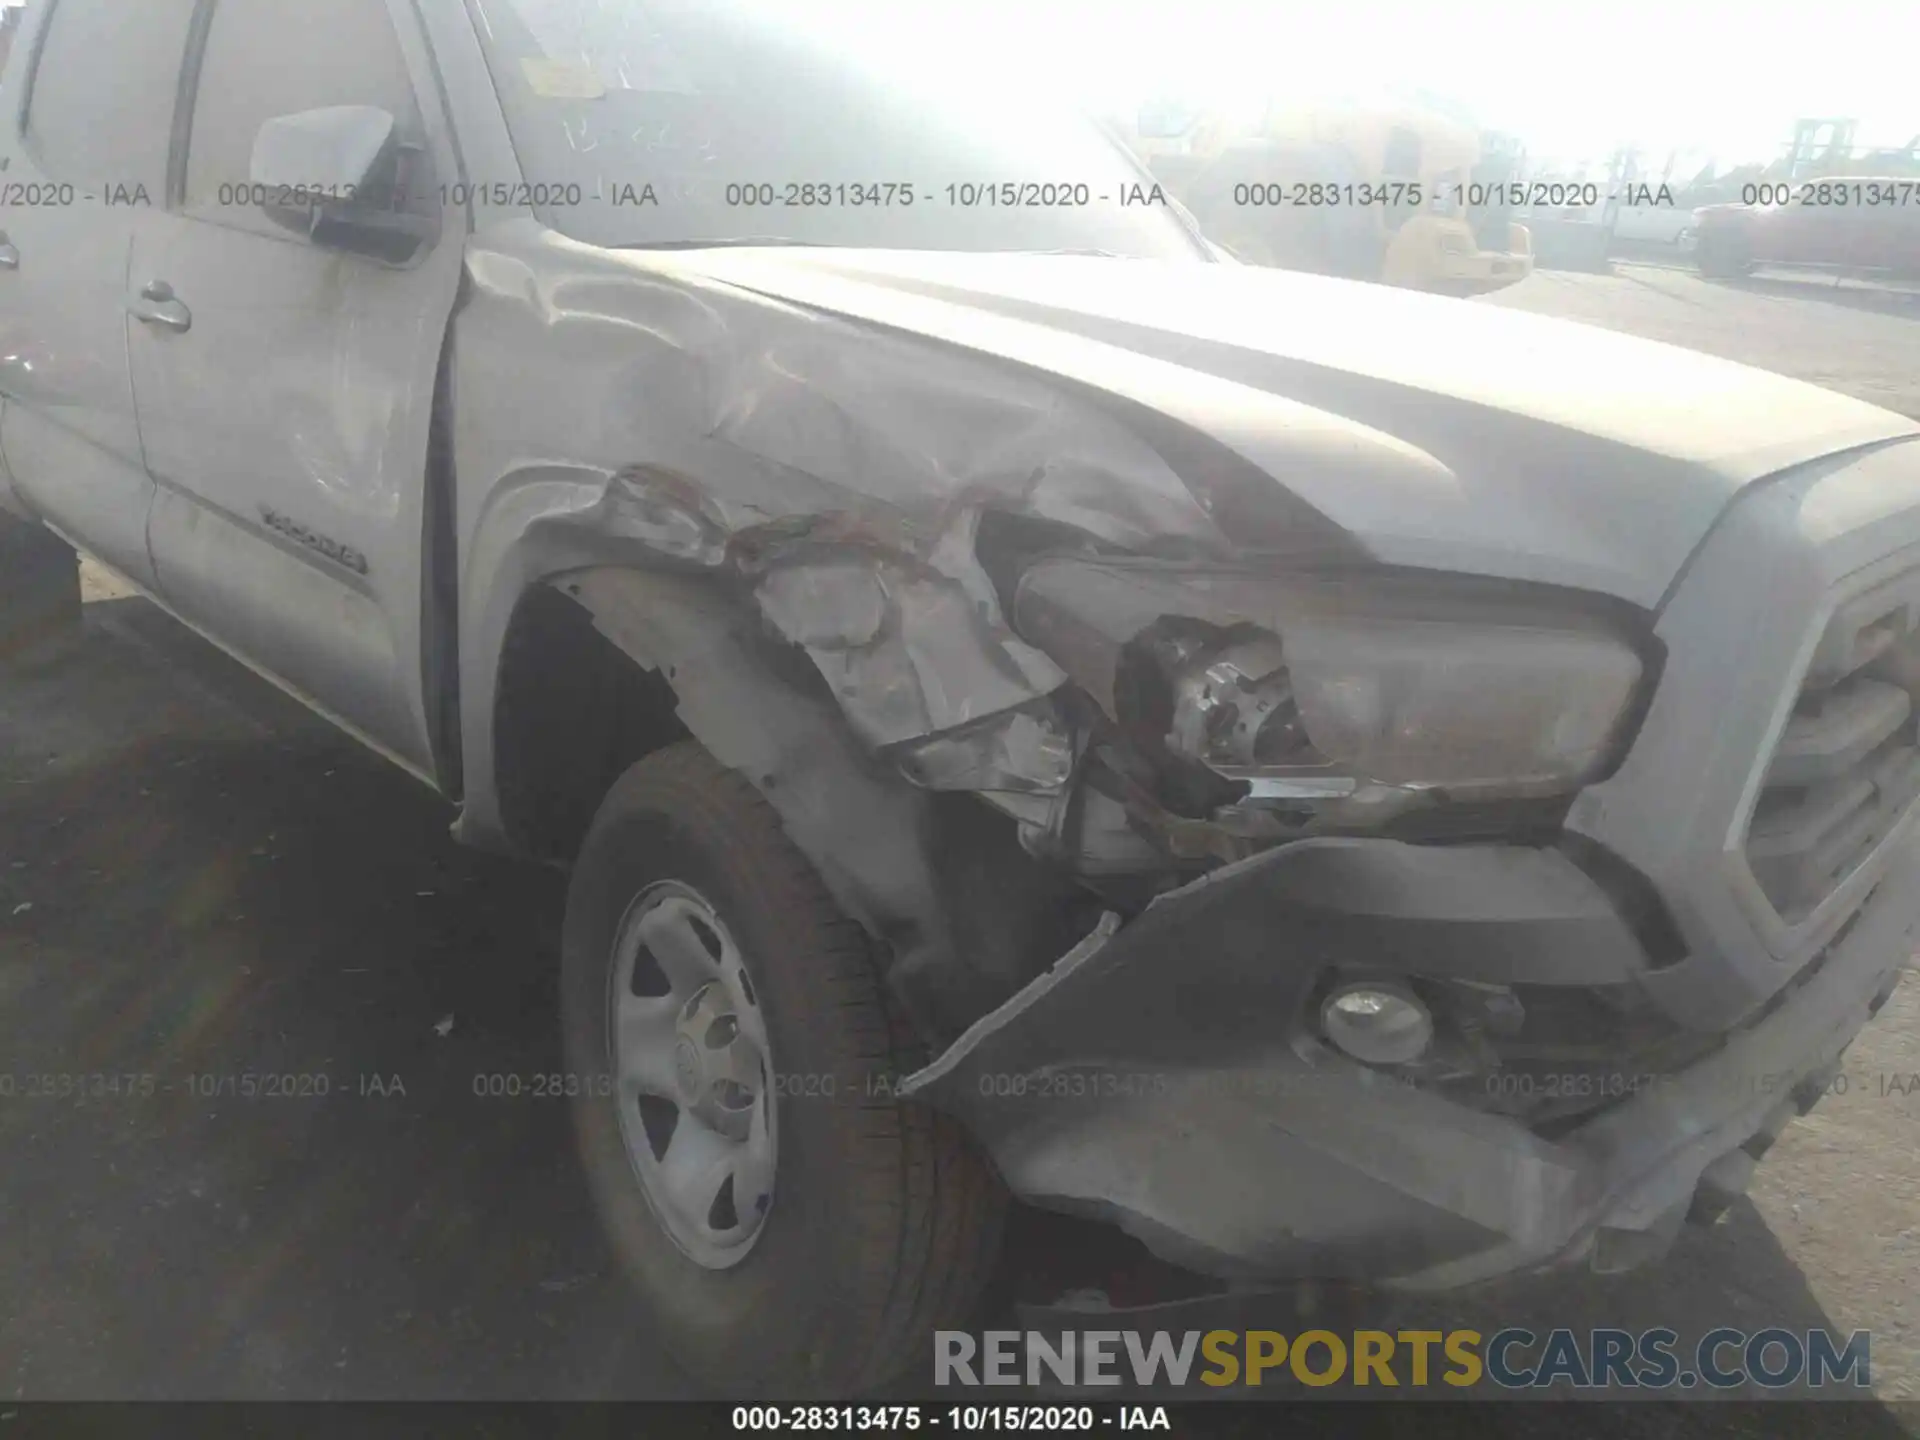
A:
x: 198, y: 880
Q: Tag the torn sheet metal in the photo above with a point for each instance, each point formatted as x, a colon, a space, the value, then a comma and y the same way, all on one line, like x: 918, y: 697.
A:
x: 909, y: 651
x: 907, y: 654
x: 1022, y: 751
x: 866, y: 831
x: 694, y: 425
x: 834, y: 470
x: 667, y: 513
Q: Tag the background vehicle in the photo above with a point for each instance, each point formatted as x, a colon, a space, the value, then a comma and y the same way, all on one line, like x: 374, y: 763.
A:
x: 1859, y: 224
x: 1257, y: 188
x: 1779, y: 214
x: 1661, y: 226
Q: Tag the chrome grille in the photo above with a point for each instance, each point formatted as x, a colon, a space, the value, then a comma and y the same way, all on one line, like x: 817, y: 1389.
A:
x: 1847, y: 767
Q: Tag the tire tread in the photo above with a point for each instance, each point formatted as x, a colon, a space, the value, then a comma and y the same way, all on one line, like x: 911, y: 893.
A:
x: 926, y: 1199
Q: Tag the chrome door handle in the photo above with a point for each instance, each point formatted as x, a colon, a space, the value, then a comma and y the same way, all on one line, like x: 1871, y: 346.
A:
x: 9, y: 253
x: 157, y: 306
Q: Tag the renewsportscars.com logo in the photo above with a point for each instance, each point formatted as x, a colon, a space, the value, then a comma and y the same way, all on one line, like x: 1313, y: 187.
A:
x: 1512, y: 1359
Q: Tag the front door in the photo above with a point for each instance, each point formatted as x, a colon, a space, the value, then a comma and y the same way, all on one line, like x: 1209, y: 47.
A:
x: 284, y: 389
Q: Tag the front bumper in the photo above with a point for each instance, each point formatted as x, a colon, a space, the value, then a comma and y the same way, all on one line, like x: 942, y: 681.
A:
x: 1149, y: 1078
x: 1164, y: 1077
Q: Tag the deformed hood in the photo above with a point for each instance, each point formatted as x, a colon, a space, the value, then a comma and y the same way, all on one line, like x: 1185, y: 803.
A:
x: 1435, y: 432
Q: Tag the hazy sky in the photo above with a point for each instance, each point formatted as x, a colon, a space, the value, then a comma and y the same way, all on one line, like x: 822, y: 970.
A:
x: 1571, y: 77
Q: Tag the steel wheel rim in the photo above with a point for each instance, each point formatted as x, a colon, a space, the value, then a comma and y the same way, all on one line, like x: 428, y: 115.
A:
x: 693, y: 1074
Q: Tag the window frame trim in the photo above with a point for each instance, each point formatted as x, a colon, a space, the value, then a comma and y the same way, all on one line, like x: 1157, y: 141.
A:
x: 30, y: 85
x: 437, y: 134
x: 181, y: 134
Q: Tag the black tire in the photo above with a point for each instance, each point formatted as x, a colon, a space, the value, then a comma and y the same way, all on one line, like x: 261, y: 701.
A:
x: 886, y: 1220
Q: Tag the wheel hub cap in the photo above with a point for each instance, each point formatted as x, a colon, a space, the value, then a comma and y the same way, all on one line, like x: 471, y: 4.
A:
x: 689, y: 1051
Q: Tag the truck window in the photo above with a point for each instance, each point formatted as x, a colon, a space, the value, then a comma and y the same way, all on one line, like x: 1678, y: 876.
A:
x: 100, y: 111
x: 266, y: 58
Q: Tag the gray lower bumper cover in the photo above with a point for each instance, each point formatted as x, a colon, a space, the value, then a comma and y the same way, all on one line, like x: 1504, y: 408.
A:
x: 1148, y: 1079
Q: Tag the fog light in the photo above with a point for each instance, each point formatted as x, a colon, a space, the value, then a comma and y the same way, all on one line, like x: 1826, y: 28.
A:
x: 1377, y: 1023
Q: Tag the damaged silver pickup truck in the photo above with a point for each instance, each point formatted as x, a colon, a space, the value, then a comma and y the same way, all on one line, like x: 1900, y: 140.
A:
x: 1334, y: 781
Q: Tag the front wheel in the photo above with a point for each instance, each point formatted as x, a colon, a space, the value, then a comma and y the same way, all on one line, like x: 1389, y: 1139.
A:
x: 792, y: 1229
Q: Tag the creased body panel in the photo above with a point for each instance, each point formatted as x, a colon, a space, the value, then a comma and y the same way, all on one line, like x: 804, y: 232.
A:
x: 681, y: 422
x: 1437, y: 432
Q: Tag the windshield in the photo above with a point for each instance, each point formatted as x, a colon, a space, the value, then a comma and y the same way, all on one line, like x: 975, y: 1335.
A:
x: 661, y: 122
